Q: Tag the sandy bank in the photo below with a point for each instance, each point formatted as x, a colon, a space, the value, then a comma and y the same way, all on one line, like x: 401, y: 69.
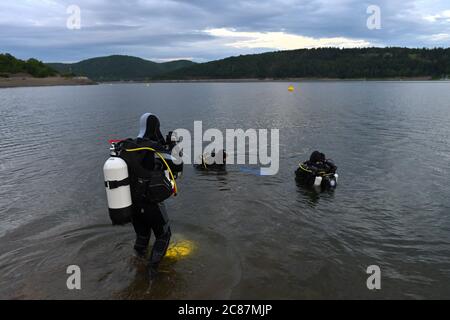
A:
x: 27, y: 81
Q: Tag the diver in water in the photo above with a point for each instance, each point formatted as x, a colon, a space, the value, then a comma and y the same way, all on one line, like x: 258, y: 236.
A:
x: 213, y: 161
x: 317, y: 171
x: 149, y: 215
x: 320, y: 163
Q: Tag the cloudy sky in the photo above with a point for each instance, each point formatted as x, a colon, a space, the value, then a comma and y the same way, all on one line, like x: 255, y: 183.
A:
x: 203, y: 30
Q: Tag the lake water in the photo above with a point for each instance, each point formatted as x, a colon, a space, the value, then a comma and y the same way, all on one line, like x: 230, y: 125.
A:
x: 254, y: 237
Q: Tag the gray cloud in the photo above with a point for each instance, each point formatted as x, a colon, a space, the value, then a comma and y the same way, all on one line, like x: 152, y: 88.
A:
x: 175, y: 29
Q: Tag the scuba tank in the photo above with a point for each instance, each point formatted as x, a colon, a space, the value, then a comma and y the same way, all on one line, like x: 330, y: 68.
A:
x: 118, y: 191
x: 318, y: 181
x: 128, y: 182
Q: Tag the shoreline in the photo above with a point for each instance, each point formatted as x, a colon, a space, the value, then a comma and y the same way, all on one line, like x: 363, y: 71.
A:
x: 27, y: 81
x: 250, y: 80
x: 24, y: 82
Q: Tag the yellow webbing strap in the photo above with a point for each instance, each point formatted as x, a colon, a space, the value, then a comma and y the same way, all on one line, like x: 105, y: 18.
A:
x: 321, y: 173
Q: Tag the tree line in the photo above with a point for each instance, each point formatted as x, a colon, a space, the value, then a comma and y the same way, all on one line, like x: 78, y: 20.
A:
x: 10, y: 65
x: 334, y: 63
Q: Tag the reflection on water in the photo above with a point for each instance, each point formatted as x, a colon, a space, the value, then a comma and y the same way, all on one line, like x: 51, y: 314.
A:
x: 312, y: 195
x: 252, y: 236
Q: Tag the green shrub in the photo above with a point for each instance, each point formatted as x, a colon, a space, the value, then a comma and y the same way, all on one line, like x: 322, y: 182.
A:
x: 36, y: 68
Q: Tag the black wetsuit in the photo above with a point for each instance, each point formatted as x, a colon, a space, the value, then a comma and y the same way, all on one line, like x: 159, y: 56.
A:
x: 149, y: 216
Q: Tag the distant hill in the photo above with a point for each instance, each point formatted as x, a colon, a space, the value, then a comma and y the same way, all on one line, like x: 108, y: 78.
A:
x: 117, y: 67
x: 10, y: 65
x: 370, y: 63
x: 322, y: 63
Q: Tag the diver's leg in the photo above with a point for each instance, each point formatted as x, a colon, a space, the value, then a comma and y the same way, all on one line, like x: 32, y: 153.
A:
x: 142, y: 227
x: 161, y: 228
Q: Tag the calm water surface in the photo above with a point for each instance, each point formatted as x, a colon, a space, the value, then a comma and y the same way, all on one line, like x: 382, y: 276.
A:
x: 255, y: 237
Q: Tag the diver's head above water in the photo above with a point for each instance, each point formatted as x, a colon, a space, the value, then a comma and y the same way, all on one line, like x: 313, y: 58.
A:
x: 149, y: 128
x: 317, y: 157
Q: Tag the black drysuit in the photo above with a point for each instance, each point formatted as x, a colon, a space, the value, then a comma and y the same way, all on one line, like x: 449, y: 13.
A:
x: 149, y: 216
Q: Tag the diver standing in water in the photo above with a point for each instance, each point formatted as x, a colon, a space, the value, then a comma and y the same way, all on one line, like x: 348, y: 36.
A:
x: 139, y: 176
x: 149, y: 215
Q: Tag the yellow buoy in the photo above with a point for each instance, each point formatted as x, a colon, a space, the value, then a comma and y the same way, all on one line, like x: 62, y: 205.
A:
x: 180, y: 249
x: 291, y: 89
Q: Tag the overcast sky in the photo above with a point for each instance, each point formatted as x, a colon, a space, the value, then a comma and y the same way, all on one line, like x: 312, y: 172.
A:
x: 203, y: 30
